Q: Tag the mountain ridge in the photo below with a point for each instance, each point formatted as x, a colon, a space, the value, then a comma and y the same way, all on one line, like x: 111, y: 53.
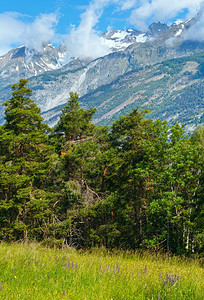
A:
x: 165, y: 92
x: 84, y: 75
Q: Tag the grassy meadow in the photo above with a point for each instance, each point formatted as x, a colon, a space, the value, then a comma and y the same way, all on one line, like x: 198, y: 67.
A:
x: 31, y: 271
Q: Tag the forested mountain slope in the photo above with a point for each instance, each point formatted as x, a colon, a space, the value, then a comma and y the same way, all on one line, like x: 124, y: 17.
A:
x: 172, y: 90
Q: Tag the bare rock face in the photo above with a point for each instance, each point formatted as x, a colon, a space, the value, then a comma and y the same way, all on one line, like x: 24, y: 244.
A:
x: 156, y: 29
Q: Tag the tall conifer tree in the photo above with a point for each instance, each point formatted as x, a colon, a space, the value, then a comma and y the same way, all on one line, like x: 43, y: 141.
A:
x: 25, y: 161
x: 74, y: 121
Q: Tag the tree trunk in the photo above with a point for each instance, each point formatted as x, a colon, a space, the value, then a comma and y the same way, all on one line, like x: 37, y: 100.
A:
x: 184, y: 228
x: 167, y: 246
x: 25, y: 235
x: 187, y: 239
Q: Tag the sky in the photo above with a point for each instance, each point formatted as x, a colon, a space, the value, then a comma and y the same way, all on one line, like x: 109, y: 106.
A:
x: 80, y: 23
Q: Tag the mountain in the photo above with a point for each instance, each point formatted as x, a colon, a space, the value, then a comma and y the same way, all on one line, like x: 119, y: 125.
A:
x: 172, y: 90
x: 156, y: 29
x: 22, y: 62
x: 134, y: 69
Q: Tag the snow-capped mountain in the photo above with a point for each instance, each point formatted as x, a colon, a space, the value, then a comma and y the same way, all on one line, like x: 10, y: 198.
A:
x: 24, y: 63
x: 53, y: 74
x: 119, y: 40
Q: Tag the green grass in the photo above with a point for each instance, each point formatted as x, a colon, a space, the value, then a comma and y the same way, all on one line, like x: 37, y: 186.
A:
x: 35, y: 272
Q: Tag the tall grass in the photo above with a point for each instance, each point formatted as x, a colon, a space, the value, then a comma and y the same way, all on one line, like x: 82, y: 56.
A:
x: 31, y: 271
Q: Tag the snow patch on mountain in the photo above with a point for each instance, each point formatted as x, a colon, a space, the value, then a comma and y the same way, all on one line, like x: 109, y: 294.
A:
x: 179, y: 32
x: 24, y: 63
x: 177, y: 22
x: 141, y: 38
x: 119, y: 40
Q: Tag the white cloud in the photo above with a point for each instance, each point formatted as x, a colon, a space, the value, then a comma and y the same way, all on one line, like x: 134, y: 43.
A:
x: 10, y: 31
x: 41, y: 30
x: 196, y: 32
x: 162, y: 10
x: 128, y: 4
x: 14, y: 30
x: 84, y: 40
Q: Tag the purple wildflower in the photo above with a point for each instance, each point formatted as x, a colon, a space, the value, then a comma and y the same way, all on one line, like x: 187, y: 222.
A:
x: 145, y: 270
x: 170, y: 279
x: 118, y: 268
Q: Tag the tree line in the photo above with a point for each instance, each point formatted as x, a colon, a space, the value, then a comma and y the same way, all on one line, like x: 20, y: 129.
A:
x: 136, y: 184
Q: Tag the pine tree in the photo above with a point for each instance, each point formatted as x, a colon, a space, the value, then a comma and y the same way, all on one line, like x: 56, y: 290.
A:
x: 74, y: 121
x: 26, y: 159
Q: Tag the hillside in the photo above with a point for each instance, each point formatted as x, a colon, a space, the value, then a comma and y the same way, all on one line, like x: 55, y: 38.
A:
x: 172, y: 90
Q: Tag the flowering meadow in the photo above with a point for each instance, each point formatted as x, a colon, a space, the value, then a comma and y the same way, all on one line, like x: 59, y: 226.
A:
x: 32, y: 271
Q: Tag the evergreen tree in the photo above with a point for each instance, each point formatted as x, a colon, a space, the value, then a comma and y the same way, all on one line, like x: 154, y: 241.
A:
x: 74, y: 121
x: 26, y: 159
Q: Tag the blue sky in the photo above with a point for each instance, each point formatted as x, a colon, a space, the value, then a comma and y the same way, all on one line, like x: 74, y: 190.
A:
x: 69, y: 12
x: 31, y: 22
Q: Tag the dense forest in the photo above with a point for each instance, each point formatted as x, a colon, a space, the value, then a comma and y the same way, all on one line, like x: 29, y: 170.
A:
x: 136, y: 184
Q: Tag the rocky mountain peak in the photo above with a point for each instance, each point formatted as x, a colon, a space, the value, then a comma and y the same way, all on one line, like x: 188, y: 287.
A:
x: 18, y: 52
x: 156, y: 29
x: 23, y: 62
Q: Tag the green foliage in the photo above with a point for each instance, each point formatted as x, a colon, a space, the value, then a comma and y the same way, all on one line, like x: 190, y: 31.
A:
x: 74, y: 121
x: 26, y: 158
x: 137, y: 184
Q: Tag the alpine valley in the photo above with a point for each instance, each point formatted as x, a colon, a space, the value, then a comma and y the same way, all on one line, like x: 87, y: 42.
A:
x: 161, y: 70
